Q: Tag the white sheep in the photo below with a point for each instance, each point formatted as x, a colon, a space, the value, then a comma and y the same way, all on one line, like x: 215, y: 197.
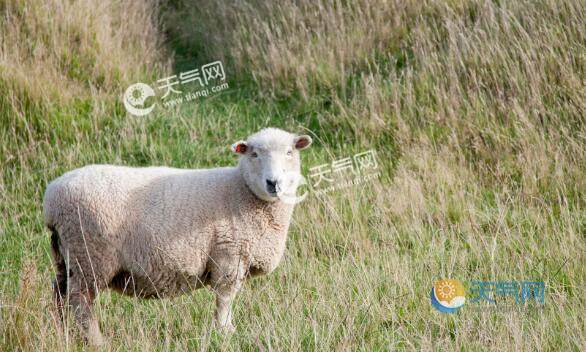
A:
x: 161, y: 232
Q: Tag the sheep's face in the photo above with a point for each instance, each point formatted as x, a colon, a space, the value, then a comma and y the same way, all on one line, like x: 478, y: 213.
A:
x: 270, y: 163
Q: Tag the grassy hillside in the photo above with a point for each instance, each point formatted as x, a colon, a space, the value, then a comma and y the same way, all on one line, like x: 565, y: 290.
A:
x: 475, y: 108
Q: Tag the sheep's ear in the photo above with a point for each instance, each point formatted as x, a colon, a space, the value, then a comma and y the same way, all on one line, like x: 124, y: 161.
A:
x: 240, y: 147
x: 302, y: 142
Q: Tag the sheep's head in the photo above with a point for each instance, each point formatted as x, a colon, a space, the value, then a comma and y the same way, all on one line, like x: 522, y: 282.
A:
x: 270, y: 163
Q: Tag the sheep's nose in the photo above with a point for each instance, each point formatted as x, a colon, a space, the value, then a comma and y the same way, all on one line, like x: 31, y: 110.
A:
x: 271, y: 186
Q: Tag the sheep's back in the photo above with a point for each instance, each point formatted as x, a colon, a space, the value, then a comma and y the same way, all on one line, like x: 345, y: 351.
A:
x: 95, y: 199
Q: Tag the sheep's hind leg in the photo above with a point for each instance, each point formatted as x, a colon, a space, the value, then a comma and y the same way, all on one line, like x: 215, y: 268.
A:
x: 81, y: 298
x: 60, y: 292
x: 60, y: 282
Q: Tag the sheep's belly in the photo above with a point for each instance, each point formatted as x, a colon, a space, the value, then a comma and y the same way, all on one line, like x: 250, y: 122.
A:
x: 133, y: 284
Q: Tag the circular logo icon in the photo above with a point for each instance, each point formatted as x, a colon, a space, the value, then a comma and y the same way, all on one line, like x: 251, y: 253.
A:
x: 448, y: 295
x: 136, y: 95
x: 289, y: 195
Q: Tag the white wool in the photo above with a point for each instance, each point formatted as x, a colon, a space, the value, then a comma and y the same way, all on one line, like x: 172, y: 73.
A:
x: 157, y: 231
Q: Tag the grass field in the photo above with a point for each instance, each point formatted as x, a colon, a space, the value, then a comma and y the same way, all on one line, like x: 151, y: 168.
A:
x: 476, y: 110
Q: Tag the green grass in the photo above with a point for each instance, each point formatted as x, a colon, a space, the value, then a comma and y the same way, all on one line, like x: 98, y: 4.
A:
x: 476, y: 111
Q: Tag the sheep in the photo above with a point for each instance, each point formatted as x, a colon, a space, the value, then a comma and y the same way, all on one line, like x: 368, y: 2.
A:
x: 159, y: 232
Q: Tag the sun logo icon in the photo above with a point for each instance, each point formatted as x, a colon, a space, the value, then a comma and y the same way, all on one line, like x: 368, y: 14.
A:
x: 448, y: 295
x: 135, y: 96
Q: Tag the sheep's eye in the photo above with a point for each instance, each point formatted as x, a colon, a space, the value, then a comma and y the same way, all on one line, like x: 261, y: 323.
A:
x: 289, y: 152
x: 253, y: 154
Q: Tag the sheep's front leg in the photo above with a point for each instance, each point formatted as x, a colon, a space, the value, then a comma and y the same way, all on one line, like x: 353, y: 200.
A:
x: 224, y: 296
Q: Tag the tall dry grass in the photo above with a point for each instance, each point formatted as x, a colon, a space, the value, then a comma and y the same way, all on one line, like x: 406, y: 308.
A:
x: 62, y: 60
